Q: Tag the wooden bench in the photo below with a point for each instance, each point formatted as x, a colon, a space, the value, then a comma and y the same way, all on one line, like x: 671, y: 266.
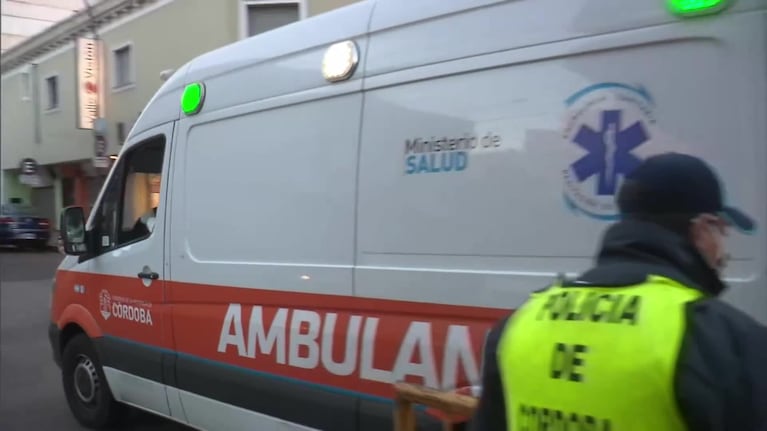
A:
x: 408, y: 395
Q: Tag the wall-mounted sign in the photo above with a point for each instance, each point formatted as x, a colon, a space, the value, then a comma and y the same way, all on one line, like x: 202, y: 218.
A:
x: 28, y: 166
x: 90, y: 80
x: 100, y: 159
x: 32, y: 175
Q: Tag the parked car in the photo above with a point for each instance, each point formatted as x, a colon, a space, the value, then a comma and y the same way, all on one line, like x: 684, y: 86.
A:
x: 22, y: 227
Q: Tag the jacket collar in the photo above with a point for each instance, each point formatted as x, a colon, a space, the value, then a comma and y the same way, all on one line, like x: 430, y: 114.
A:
x: 639, y: 249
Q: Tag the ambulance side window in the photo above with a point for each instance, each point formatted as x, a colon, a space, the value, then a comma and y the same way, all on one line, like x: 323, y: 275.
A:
x: 129, y: 207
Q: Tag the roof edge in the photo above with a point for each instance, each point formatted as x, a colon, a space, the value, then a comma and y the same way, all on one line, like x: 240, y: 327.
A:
x: 69, y: 29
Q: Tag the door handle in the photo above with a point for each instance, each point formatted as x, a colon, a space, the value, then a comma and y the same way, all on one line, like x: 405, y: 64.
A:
x: 148, y: 275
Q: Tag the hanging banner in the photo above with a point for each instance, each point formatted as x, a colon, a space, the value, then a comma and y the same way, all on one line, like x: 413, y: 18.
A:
x: 90, y: 79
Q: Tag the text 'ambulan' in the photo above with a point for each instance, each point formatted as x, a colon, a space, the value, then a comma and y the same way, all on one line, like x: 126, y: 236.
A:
x: 304, y: 339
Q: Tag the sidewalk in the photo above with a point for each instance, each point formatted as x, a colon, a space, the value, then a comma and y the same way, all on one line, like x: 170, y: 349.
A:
x: 53, y: 241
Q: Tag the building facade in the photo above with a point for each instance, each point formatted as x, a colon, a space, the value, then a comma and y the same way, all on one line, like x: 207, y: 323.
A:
x: 71, y: 94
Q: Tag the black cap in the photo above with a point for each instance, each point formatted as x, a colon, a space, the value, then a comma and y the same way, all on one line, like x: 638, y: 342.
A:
x: 674, y: 183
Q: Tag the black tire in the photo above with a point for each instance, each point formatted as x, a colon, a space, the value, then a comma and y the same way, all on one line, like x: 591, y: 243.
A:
x: 95, y: 408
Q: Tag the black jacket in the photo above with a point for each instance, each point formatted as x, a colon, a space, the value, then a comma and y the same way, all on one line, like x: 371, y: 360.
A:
x: 721, y: 380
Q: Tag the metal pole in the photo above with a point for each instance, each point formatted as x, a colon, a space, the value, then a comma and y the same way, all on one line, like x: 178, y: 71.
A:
x: 34, y: 77
x: 89, y: 10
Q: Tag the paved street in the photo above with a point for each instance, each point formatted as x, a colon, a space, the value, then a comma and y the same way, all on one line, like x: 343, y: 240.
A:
x: 31, y: 395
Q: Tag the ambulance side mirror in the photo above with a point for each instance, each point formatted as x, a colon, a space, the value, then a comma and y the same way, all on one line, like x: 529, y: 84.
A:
x: 73, y: 231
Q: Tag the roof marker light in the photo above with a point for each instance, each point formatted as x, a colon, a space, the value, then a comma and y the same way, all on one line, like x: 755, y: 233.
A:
x: 193, y: 98
x: 696, y: 7
x: 340, y: 61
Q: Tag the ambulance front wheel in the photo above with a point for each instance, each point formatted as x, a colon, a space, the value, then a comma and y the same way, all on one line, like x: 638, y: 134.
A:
x: 85, y: 386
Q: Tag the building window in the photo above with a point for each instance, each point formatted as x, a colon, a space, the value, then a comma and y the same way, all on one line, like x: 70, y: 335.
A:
x: 262, y: 16
x: 123, y: 66
x: 52, y: 91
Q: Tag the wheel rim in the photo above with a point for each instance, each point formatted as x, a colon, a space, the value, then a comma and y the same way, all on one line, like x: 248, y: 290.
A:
x: 86, y: 380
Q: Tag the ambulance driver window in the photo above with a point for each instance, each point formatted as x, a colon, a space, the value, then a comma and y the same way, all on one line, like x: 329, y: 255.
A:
x: 106, y: 217
x: 128, y: 211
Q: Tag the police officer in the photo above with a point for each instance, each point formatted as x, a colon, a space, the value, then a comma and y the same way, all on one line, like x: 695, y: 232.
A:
x: 640, y: 341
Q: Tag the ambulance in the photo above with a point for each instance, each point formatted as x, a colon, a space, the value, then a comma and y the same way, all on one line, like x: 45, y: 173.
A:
x: 302, y: 218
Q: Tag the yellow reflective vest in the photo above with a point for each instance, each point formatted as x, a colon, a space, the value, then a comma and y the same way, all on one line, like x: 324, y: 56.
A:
x: 595, y: 358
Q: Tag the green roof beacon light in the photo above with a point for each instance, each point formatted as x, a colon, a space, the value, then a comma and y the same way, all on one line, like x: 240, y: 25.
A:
x: 193, y: 98
x: 696, y: 7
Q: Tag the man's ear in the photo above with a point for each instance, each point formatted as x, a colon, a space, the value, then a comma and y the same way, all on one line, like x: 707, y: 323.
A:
x: 694, y: 227
x: 696, y: 231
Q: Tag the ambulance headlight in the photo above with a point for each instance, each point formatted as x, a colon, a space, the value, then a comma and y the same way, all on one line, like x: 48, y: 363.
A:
x: 340, y: 61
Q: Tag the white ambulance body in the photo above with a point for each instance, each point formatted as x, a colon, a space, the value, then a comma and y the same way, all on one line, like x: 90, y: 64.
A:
x: 318, y: 237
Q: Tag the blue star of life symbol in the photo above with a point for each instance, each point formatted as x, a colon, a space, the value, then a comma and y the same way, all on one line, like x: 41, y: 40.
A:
x: 609, y: 151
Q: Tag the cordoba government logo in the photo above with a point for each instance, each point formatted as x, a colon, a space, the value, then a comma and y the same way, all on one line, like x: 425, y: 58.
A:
x: 608, y: 122
x: 122, y: 308
x: 105, y: 304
